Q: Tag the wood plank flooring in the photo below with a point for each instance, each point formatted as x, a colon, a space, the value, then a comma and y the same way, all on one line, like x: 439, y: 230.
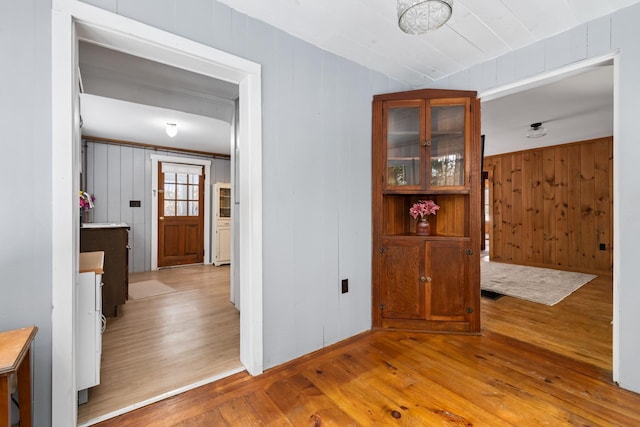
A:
x: 166, y: 342
x: 533, y: 365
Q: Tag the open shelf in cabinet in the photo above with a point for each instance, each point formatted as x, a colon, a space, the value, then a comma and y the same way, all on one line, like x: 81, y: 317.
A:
x: 450, y: 221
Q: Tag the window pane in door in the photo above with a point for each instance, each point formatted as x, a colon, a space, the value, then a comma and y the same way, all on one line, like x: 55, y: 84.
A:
x: 169, y: 208
x: 193, y: 208
x: 181, y: 192
x: 181, y: 178
x: 193, y: 179
x: 169, y: 191
x: 169, y: 177
x: 181, y: 208
x: 193, y: 192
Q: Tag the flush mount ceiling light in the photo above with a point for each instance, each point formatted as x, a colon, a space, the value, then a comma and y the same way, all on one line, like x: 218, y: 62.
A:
x: 171, y: 129
x: 422, y: 16
x: 536, y: 131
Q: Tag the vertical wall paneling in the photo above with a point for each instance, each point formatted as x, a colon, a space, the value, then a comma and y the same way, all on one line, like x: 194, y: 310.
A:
x: 138, y: 229
x: 553, y: 206
x: 602, y: 207
x: 126, y: 184
x: 308, y: 260
x: 549, y: 206
x: 98, y: 169
x: 507, y: 209
x: 587, y: 203
x: 516, y: 208
x: 527, y: 216
x: 330, y: 185
x: 118, y: 174
x: 114, y: 178
x: 496, y: 236
x: 561, y: 173
x: 537, y: 194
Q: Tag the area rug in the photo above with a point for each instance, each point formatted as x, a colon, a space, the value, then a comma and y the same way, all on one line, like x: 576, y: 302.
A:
x: 148, y: 288
x: 541, y: 285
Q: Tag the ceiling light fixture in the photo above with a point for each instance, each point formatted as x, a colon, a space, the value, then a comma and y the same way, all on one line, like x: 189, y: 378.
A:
x: 171, y: 129
x: 422, y: 16
x: 536, y: 131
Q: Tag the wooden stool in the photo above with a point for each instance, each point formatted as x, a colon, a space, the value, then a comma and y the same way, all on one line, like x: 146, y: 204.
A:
x: 15, y: 348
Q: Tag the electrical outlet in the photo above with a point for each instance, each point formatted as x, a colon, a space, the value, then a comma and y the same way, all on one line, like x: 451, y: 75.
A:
x: 345, y: 286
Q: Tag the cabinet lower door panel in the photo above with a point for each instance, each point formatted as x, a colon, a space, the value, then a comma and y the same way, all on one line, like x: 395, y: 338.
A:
x: 403, y: 296
x: 447, y: 277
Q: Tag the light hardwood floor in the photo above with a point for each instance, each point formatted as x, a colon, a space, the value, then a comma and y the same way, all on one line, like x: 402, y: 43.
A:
x: 165, y: 342
x: 533, y: 365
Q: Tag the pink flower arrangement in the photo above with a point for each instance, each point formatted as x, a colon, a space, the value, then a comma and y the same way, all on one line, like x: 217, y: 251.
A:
x: 423, y: 208
x: 86, y: 200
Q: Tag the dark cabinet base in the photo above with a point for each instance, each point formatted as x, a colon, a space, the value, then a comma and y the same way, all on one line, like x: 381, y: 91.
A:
x: 113, y: 241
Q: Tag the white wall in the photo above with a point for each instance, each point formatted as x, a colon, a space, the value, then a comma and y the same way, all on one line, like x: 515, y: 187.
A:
x: 25, y: 171
x: 618, y: 32
x: 116, y: 174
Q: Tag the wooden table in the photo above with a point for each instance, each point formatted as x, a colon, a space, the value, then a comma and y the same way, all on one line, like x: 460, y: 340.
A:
x: 15, y: 348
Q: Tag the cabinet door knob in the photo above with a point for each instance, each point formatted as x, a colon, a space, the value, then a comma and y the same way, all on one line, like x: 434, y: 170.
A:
x: 425, y: 279
x: 425, y: 143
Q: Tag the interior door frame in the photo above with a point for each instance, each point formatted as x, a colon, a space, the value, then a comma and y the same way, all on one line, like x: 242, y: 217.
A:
x: 155, y: 160
x: 71, y: 21
x: 549, y: 77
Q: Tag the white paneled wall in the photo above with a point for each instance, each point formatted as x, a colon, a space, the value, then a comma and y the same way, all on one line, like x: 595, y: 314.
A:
x: 116, y: 174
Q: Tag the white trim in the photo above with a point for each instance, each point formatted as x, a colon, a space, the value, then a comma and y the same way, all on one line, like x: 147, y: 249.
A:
x: 110, y: 30
x: 65, y: 221
x: 544, y: 78
x: 617, y: 177
x: 155, y: 159
x: 559, y: 74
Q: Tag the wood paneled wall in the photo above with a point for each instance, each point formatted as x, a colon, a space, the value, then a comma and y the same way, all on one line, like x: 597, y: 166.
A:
x: 553, y: 206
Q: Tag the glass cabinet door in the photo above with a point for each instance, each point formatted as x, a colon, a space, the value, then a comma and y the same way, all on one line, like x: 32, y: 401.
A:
x: 225, y: 203
x: 447, y: 146
x: 404, y: 134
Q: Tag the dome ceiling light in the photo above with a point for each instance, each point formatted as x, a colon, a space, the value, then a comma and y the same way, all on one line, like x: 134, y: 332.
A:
x: 536, y: 131
x: 422, y: 16
x: 171, y: 129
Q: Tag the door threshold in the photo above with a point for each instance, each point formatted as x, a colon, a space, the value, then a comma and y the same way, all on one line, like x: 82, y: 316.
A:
x: 162, y: 396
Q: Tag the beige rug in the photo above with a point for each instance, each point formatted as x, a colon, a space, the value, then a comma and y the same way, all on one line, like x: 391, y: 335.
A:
x: 148, y: 288
x: 541, y: 285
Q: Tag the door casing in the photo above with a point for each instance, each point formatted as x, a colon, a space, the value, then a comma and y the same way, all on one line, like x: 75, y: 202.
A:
x: 72, y: 21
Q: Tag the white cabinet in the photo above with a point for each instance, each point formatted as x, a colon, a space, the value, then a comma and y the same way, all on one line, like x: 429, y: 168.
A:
x: 89, y: 322
x: 222, y: 202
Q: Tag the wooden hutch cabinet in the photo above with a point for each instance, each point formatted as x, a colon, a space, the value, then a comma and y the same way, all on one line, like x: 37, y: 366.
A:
x: 426, y: 146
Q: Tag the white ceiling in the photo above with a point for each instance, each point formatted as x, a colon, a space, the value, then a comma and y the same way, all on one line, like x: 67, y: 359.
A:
x: 366, y: 31
x: 576, y: 108
x: 131, y: 99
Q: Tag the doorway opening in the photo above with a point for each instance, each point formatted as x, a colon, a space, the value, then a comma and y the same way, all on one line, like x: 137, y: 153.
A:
x: 72, y: 22
x: 514, y: 180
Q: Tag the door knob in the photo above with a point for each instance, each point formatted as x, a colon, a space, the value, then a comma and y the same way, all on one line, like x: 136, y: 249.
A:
x: 161, y: 218
x: 425, y: 279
